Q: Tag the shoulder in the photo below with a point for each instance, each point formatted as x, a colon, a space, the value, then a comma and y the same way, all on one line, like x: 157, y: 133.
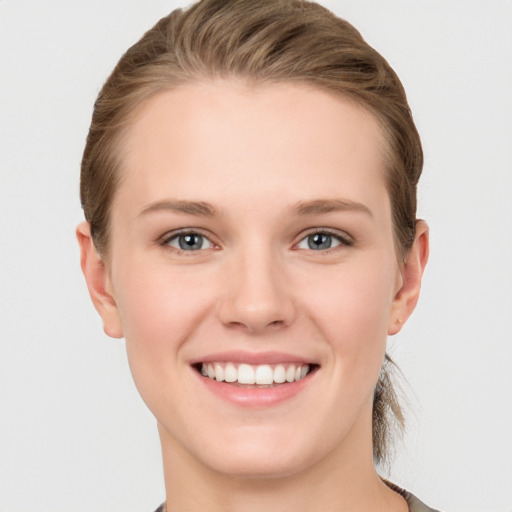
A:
x: 415, y: 505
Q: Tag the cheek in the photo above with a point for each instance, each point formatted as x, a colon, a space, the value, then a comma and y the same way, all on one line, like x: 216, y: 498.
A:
x: 156, y: 300
x: 353, y: 312
x: 160, y: 308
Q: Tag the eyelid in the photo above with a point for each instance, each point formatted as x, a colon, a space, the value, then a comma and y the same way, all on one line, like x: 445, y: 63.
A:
x: 345, y: 239
x: 165, y: 239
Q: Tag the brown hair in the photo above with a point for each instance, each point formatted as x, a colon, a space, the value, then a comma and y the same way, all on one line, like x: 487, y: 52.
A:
x: 259, y: 41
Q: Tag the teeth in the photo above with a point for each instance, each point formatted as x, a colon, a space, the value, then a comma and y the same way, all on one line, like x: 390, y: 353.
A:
x: 279, y: 374
x: 219, y: 372
x: 230, y: 373
x: 247, y: 374
x: 264, y: 374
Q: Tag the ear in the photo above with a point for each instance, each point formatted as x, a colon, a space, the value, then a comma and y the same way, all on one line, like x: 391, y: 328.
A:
x: 406, y: 297
x: 98, y: 282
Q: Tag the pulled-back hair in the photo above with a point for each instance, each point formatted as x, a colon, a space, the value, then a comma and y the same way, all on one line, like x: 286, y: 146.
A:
x: 260, y: 41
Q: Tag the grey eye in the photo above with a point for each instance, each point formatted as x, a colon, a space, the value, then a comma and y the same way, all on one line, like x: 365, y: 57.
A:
x: 190, y: 242
x: 319, y: 242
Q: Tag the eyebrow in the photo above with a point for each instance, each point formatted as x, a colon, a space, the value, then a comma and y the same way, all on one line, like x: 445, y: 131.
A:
x: 302, y: 208
x: 198, y: 208
x: 320, y: 206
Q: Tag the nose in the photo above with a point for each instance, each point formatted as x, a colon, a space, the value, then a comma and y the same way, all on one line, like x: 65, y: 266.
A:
x: 257, y: 295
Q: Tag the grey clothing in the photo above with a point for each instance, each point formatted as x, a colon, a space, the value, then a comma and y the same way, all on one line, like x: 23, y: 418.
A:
x: 415, y: 505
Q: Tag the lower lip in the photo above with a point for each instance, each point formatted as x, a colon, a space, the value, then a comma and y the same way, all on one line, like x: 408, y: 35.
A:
x: 254, y: 397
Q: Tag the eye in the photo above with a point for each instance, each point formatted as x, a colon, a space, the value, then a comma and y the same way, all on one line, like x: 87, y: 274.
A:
x: 322, y: 240
x: 189, y: 241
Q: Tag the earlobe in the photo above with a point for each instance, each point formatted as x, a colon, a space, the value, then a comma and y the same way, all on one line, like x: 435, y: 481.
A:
x: 407, y: 296
x: 98, y: 282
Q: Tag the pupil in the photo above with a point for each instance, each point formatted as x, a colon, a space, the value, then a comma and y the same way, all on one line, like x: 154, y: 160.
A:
x: 188, y: 242
x: 319, y: 241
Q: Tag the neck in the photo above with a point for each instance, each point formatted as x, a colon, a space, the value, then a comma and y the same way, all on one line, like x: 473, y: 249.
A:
x: 330, y: 484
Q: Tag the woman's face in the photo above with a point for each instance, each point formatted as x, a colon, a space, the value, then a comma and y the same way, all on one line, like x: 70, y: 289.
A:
x: 251, y: 239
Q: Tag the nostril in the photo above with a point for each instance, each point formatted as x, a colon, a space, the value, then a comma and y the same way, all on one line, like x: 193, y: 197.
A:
x: 276, y: 323
x: 237, y: 325
x: 256, y: 326
x: 254, y: 301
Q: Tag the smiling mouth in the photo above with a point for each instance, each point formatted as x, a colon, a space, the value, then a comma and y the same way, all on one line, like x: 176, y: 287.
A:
x: 247, y: 375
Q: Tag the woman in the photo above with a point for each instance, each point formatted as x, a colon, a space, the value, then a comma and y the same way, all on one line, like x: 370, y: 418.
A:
x: 249, y: 189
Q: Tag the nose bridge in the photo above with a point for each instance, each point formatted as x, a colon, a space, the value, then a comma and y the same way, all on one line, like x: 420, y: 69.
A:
x: 257, y: 295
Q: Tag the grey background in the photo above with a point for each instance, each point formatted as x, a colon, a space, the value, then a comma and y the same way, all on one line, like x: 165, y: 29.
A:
x: 75, y: 436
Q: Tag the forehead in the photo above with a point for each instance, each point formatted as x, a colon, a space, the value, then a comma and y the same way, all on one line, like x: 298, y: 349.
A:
x: 218, y: 136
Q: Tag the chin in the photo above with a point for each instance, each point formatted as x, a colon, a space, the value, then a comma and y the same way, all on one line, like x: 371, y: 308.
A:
x: 259, y: 453
x: 253, y: 464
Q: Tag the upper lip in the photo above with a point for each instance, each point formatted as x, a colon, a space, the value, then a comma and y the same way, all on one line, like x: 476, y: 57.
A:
x: 253, y: 358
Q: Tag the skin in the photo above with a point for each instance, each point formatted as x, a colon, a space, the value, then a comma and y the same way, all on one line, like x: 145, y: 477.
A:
x: 256, y: 154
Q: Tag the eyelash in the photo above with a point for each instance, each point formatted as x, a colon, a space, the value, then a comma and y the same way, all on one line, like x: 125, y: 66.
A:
x: 343, y: 240
x: 167, y: 239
